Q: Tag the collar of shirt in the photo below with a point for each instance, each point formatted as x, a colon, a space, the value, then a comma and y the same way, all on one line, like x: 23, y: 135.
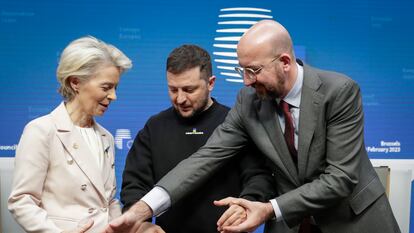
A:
x: 293, y: 97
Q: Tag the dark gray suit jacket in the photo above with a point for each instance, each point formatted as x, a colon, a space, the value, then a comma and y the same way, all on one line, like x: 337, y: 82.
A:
x: 335, y: 181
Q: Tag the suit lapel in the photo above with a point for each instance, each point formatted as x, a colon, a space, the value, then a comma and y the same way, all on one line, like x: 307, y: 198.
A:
x: 266, y: 110
x: 309, y: 108
x: 76, y: 147
x: 108, y: 160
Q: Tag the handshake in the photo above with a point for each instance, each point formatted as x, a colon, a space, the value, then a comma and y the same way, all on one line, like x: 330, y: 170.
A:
x: 241, y: 216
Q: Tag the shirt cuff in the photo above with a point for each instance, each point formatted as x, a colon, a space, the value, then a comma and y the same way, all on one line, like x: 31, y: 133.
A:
x: 276, y: 209
x: 158, y: 200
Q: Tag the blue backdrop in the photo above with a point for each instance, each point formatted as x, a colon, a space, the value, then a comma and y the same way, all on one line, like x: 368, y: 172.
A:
x: 371, y: 41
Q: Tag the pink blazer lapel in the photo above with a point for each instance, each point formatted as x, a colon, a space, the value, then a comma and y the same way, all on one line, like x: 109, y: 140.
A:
x: 109, y: 157
x: 77, y: 149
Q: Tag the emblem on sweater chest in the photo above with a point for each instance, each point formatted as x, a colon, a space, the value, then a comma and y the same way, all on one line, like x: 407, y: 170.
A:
x: 194, y: 132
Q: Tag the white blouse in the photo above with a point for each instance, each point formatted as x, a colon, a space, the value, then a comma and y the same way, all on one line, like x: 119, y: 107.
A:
x: 94, y: 141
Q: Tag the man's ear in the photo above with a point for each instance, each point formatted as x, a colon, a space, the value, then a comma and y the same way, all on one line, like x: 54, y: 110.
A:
x: 286, y: 61
x: 211, y: 82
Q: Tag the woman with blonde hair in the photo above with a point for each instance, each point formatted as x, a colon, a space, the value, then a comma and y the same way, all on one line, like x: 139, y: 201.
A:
x: 64, y: 179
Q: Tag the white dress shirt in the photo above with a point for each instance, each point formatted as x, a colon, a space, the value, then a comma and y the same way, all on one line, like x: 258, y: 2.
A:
x: 293, y: 99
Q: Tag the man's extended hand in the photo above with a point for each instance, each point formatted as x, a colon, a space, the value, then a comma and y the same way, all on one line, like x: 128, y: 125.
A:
x: 257, y: 213
x: 130, y: 221
x: 233, y: 216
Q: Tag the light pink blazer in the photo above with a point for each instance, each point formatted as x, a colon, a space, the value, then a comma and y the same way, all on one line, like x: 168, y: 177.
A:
x: 57, y: 181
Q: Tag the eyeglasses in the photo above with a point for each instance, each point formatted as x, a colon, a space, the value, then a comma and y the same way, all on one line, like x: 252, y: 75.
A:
x: 251, y: 74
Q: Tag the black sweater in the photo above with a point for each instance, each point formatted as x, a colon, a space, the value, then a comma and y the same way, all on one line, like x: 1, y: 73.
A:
x: 166, y: 139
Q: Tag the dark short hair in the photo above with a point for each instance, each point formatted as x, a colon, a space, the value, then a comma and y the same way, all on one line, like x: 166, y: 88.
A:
x: 187, y: 57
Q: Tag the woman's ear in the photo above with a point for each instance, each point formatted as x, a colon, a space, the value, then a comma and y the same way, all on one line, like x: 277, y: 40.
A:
x: 74, y: 83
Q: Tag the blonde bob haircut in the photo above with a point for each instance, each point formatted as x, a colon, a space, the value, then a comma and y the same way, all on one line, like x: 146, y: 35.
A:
x: 82, y: 59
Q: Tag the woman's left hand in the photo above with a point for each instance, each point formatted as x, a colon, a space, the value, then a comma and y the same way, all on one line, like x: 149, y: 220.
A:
x: 148, y: 227
x: 81, y: 229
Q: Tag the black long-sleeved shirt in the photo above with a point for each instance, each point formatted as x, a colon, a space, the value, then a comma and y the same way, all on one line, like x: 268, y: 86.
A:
x: 166, y: 139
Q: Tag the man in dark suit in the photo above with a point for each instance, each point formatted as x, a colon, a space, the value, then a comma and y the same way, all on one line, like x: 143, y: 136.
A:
x: 309, y: 124
x: 174, y: 134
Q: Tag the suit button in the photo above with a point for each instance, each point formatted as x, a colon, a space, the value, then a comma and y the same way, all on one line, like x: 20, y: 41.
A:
x: 90, y: 210
x: 104, y: 209
x: 83, y: 187
x: 273, y: 174
x: 75, y: 146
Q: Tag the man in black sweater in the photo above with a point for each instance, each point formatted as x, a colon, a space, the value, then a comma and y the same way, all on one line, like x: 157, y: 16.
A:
x: 175, y: 133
